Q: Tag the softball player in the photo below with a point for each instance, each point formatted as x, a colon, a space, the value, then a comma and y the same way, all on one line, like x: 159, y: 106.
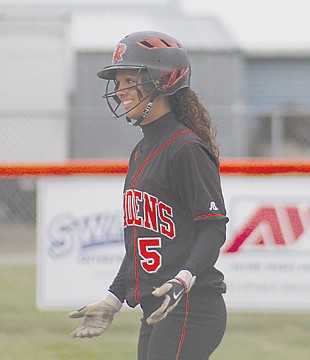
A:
x: 174, y: 213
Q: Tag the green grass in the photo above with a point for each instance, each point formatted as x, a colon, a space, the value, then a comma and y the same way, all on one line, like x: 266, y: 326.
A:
x: 30, y: 334
x: 266, y: 336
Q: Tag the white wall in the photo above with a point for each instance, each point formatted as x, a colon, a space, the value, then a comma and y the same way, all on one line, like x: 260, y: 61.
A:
x: 33, y: 87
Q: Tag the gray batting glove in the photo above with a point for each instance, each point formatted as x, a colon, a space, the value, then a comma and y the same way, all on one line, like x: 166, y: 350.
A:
x: 97, y: 317
x: 173, y: 290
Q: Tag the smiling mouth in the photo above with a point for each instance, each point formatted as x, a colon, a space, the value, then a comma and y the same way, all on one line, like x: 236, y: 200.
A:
x: 127, y: 104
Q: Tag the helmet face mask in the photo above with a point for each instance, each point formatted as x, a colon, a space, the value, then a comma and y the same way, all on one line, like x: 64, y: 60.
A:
x: 161, y: 62
x: 143, y: 79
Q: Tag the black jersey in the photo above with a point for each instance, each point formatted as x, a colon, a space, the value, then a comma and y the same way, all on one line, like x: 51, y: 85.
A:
x: 172, y: 183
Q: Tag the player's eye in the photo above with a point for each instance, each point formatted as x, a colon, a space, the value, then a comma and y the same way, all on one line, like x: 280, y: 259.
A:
x: 131, y: 82
x: 125, y: 84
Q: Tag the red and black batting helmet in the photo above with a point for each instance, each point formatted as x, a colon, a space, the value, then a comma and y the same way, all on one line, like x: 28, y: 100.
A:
x: 162, y: 55
x: 160, y: 59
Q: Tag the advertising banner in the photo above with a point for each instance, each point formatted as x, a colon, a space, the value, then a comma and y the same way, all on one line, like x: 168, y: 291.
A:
x: 80, y: 239
x: 265, y: 260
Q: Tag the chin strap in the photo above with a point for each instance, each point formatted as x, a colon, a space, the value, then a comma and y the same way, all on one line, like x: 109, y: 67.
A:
x: 145, y: 111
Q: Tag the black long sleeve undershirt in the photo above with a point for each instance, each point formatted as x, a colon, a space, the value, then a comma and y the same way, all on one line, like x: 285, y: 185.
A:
x: 118, y: 286
x: 211, y: 236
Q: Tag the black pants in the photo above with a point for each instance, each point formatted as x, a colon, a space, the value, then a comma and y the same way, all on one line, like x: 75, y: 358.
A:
x: 192, y: 331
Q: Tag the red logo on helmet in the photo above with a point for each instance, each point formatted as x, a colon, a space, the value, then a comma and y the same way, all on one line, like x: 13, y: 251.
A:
x: 119, y: 52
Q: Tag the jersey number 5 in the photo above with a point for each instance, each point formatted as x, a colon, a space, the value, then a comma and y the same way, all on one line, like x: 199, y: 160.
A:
x: 151, y: 258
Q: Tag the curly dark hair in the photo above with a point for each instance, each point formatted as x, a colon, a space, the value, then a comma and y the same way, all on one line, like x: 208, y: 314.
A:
x: 192, y: 113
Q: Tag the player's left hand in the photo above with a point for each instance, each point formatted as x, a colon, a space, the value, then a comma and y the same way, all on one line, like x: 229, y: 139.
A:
x: 173, y: 290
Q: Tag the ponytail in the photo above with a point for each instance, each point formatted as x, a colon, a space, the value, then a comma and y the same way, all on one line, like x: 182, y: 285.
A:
x: 192, y: 113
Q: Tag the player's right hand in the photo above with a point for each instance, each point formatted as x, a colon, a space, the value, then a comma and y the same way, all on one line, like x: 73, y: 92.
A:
x: 97, y: 317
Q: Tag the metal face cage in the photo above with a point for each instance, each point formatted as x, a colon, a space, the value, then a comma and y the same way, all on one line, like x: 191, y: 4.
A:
x: 143, y: 79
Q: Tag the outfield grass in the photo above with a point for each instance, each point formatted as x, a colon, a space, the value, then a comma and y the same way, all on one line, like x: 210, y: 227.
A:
x: 29, y: 334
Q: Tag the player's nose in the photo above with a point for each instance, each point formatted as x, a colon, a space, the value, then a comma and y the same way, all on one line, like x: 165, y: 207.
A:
x: 122, y: 90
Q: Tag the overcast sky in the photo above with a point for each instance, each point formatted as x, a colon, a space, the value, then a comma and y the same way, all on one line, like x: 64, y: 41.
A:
x: 255, y: 24
x: 265, y: 24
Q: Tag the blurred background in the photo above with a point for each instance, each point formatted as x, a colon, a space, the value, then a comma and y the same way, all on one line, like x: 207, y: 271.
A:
x: 250, y: 67
x: 250, y: 60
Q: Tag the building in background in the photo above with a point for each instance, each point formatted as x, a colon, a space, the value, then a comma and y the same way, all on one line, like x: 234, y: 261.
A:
x: 33, y: 88
x: 277, y: 98
x: 51, y: 107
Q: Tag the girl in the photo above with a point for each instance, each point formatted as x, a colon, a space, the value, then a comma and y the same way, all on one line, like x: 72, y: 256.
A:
x: 174, y: 212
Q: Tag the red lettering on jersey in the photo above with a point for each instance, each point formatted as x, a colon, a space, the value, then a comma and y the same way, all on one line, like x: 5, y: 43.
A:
x: 124, y: 210
x: 136, y: 207
x: 270, y: 226
x: 129, y: 211
x: 151, y: 258
x: 150, y: 212
x: 167, y: 227
x: 156, y: 216
x: 119, y: 52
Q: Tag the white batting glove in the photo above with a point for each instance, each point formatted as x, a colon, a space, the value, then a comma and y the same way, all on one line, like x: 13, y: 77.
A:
x: 97, y: 317
x: 173, y: 290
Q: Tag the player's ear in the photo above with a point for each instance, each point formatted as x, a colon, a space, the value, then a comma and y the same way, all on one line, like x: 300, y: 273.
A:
x: 149, y: 83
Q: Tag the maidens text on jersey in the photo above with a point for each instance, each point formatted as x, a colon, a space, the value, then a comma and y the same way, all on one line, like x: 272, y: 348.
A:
x: 145, y: 210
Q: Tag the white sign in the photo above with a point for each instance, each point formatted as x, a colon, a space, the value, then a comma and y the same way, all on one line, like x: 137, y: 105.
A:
x: 265, y: 260
x: 80, y: 238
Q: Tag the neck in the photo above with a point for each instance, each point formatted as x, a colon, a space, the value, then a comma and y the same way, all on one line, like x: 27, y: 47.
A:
x: 156, y: 130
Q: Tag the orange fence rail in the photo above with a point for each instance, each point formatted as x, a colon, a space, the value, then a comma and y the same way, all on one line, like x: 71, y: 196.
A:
x: 231, y: 166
